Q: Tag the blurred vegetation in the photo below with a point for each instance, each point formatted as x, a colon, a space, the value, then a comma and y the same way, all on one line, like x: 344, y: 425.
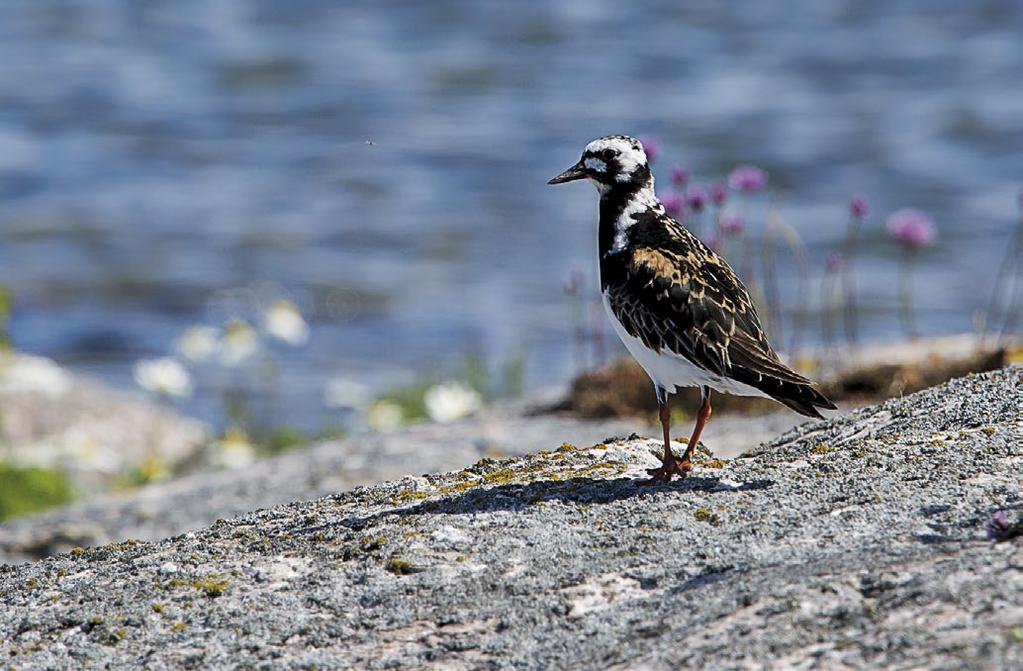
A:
x: 6, y: 305
x: 410, y: 399
x: 475, y: 373
x: 27, y: 490
x: 280, y: 439
x: 152, y: 469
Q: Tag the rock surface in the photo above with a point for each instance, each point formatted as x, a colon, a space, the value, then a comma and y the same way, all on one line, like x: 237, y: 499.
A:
x: 851, y: 543
x: 165, y: 509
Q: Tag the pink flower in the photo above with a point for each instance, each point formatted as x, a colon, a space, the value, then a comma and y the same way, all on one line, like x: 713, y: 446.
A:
x: 651, y: 147
x: 911, y: 228
x: 731, y: 224
x: 833, y: 263
x: 718, y: 193
x: 997, y: 526
x: 673, y: 204
x: 679, y: 176
x: 858, y: 206
x: 747, y: 178
x: 696, y: 199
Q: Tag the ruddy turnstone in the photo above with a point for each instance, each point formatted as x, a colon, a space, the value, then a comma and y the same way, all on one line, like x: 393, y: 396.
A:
x: 679, y: 308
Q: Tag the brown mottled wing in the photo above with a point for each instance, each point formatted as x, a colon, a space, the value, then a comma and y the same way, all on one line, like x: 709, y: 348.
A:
x: 673, y: 293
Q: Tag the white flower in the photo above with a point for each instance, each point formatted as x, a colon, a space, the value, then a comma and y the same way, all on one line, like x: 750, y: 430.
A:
x: 342, y: 393
x: 71, y: 450
x: 384, y: 415
x: 197, y: 343
x: 163, y: 376
x: 239, y: 343
x: 234, y: 451
x: 23, y: 373
x: 450, y: 401
x: 283, y: 321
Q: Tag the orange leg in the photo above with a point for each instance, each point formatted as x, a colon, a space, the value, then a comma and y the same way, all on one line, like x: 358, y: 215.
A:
x: 701, y: 421
x: 670, y: 464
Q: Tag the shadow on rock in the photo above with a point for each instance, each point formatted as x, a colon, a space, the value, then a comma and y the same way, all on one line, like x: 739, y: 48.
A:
x: 519, y: 496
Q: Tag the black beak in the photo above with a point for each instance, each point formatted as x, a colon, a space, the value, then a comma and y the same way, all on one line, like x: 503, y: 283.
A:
x: 577, y: 171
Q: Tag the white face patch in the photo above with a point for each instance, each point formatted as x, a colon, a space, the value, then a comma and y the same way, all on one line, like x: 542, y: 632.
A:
x: 630, y: 154
x: 595, y: 164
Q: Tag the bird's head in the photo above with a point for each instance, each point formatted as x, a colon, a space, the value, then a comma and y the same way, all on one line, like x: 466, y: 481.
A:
x: 610, y: 162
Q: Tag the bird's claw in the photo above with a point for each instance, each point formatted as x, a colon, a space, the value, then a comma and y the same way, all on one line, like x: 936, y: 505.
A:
x: 664, y: 472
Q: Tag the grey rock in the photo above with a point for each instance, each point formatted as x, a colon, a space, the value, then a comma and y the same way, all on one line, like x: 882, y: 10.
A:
x: 165, y: 509
x: 856, y: 542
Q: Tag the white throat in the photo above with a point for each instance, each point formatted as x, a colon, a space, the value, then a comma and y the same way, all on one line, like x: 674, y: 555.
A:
x: 644, y: 200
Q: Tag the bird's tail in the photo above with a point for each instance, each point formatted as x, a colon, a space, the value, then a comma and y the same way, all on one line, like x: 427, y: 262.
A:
x: 764, y: 371
x: 802, y: 398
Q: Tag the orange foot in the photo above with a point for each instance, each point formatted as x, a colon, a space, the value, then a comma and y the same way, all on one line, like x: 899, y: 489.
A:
x: 664, y: 473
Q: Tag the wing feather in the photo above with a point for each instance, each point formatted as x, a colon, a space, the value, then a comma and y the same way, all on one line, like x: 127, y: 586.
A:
x: 674, y: 293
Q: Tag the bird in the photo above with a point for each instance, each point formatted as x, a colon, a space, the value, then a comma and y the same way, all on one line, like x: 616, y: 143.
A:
x: 678, y: 307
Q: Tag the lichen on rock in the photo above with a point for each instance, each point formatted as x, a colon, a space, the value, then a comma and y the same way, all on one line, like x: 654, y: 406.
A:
x: 870, y: 553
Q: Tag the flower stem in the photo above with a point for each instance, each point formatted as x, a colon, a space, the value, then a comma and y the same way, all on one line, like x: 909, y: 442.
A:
x: 849, y: 279
x: 906, y: 294
x: 767, y: 254
x: 827, y: 309
x: 1008, y: 267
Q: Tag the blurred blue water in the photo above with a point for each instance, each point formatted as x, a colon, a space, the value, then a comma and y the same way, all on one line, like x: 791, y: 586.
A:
x: 154, y: 155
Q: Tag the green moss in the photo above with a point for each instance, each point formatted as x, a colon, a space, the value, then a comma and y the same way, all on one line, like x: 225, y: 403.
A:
x: 821, y: 448
x: 157, y: 607
x: 408, y: 494
x: 457, y: 487
x: 212, y: 585
x: 503, y: 475
x: 714, y: 463
x: 704, y: 515
x: 568, y: 447
x: 599, y: 467
x: 31, y: 583
x: 399, y: 566
x: 178, y: 626
x: 27, y: 490
x: 989, y: 430
x: 371, y: 543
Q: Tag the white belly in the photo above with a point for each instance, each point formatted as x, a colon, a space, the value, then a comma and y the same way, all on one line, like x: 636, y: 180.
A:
x: 670, y: 371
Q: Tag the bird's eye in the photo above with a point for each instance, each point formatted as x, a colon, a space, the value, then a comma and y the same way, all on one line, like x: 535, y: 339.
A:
x: 608, y: 154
